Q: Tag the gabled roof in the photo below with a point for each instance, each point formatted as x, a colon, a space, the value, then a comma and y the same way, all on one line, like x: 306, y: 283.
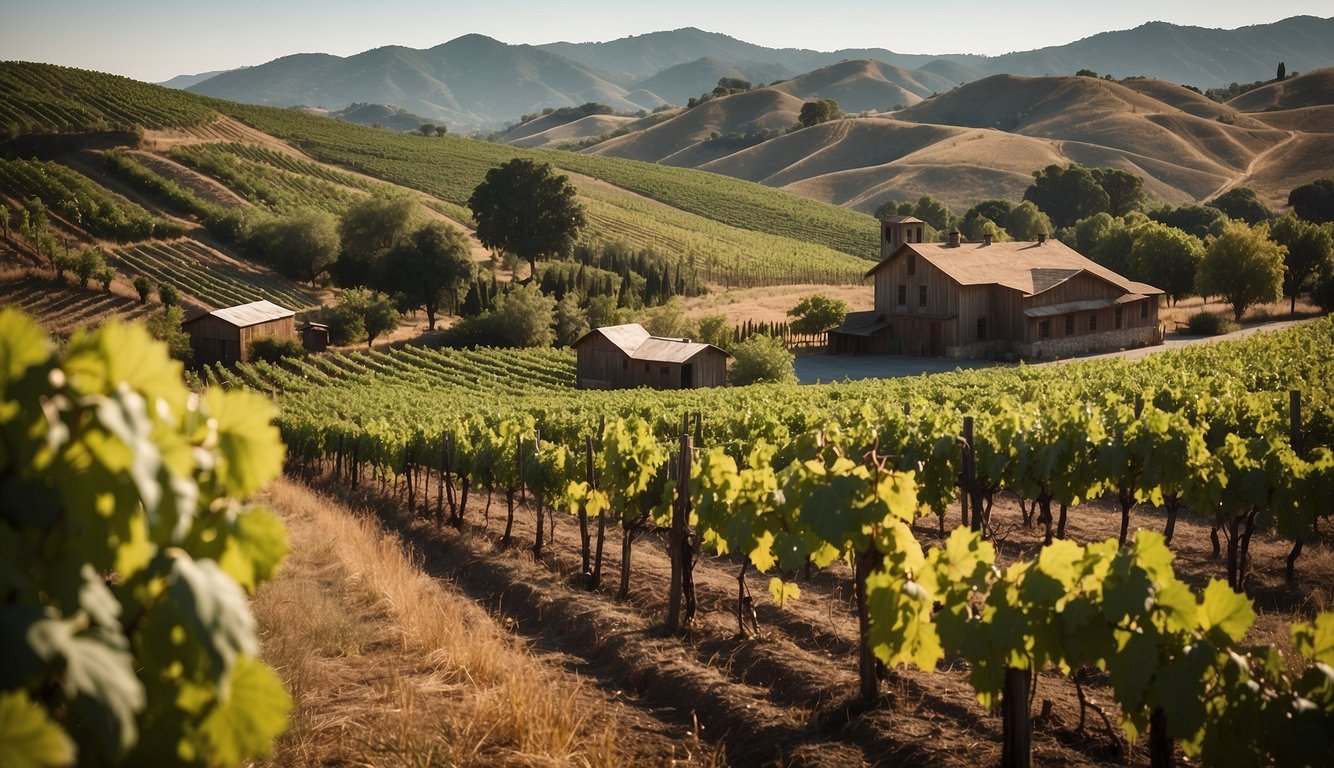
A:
x: 638, y: 344
x: 246, y: 315
x: 1029, y: 268
x: 902, y: 220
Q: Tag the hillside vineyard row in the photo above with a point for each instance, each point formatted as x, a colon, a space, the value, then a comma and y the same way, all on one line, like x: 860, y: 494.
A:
x: 788, y: 476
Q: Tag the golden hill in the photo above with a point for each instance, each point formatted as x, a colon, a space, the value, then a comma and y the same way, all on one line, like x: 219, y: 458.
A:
x: 666, y: 142
x: 863, y: 85
x: 985, y: 139
x: 1308, y: 90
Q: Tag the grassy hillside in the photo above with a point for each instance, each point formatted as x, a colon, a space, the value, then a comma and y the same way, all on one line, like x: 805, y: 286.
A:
x: 217, y: 156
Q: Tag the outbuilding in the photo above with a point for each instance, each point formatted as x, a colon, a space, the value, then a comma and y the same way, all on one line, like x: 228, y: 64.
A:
x: 222, y: 336
x: 626, y: 356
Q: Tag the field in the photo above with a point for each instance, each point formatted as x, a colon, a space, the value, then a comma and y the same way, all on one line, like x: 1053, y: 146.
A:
x: 452, y: 467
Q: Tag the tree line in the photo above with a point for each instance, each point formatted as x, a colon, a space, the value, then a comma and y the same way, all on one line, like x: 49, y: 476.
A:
x: 1233, y: 245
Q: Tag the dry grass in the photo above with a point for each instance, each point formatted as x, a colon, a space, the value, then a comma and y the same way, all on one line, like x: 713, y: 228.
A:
x: 389, y: 667
x: 1177, y: 315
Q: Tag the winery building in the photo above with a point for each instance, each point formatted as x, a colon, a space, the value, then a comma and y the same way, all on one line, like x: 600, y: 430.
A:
x: 221, y: 336
x: 979, y: 300
x: 627, y: 356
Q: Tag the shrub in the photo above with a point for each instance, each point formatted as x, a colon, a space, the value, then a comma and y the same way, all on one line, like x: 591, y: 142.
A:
x: 144, y: 287
x: 1209, y: 324
x: 761, y: 359
x: 273, y: 349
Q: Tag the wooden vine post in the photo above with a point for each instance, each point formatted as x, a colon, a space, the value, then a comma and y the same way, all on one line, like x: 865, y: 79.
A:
x: 679, y: 545
x: 1295, y: 440
x: 1016, y: 727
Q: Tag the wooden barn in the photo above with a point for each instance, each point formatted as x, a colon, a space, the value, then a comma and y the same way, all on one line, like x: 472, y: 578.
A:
x: 626, y: 356
x: 1033, y: 300
x: 221, y: 336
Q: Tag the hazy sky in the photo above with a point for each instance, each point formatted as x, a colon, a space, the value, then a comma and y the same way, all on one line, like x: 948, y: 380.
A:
x: 154, y: 40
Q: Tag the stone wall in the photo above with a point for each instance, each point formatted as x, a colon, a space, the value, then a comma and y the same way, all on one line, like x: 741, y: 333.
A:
x: 1089, y: 343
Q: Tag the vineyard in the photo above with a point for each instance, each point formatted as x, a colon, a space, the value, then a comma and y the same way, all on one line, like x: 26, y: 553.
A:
x: 82, y: 202
x: 43, y: 98
x: 790, y: 481
x: 197, y: 271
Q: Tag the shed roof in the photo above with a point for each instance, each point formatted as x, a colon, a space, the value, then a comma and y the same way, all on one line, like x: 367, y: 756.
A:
x: 638, y: 344
x: 1030, y: 268
x: 246, y: 315
x: 866, y: 323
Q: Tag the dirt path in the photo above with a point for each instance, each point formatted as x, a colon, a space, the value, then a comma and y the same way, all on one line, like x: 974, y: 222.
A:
x: 1240, y: 179
x: 786, y: 695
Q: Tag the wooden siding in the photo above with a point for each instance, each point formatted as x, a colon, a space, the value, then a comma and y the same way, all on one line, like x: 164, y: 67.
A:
x: 215, y: 340
x: 603, y: 365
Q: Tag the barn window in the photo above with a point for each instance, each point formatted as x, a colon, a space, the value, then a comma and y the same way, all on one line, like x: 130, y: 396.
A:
x: 1069, y: 325
x: 921, y: 295
x: 1093, y: 322
x: 664, y: 370
x: 625, y: 364
x: 645, y: 367
x: 981, y: 328
x: 903, y: 295
x: 1117, y: 317
x: 1144, y: 309
x: 912, y: 264
x: 919, y: 234
x: 1044, y: 329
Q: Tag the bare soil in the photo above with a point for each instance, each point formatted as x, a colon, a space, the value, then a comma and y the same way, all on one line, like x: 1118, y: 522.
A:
x: 787, y: 695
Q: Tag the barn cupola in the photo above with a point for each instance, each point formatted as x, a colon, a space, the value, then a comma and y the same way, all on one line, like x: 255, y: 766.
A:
x: 897, y: 230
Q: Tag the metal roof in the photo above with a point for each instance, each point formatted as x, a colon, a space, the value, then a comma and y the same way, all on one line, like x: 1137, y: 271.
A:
x: 627, y: 337
x: 254, y: 313
x: 638, y: 344
x: 1030, y: 268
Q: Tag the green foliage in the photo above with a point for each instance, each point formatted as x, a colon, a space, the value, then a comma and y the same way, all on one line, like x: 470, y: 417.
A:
x: 525, y: 208
x: 524, y: 317
x: 430, y: 269
x: 301, y: 245
x: 116, y: 469
x: 1125, y: 191
x: 1198, y: 220
x: 91, y: 264
x: 761, y: 359
x: 1166, y: 258
x: 1243, y: 204
x: 165, y: 326
x: 1067, y: 194
x: 82, y: 202
x: 715, y: 330
x: 1025, y: 222
x: 1314, y: 201
x: 168, y: 295
x: 43, y: 98
x: 934, y: 212
x: 817, y: 313
x: 1209, y: 324
x: 569, y: 322
x: 819, y: 111
x: 372, y: 310
x: 273, y: 349
x: 1243, y: 266
x: 368, y: 230
x: 144, y: 287
x: 1310, y: 253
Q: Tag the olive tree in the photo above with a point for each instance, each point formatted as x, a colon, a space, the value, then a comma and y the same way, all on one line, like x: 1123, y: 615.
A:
x: 1310, y: 250
x: 1243, y: 266
x: 1165, y: 257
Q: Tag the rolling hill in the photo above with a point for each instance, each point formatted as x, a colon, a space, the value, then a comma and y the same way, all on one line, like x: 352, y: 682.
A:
x: 151, y: 168
x: 984, y: 139
x: 475, y: 82
x: 468, y: 83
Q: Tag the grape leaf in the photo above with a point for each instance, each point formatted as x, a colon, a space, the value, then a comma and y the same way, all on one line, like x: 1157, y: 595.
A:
x: 245, y: 721
x: 28, y: 737
x: 1225, y: 611
x: 213, y: 610
x: 1315, y: 640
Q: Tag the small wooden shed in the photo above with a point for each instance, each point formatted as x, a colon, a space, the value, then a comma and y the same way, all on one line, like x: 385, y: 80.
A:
x: 626, y: 356
x: 221, y: 336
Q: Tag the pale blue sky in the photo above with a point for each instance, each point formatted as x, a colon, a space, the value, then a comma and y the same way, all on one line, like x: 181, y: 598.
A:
x: 157, y: 39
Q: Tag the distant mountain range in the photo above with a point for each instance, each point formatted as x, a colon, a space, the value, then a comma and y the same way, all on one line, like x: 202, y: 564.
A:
x: 475, y: 82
